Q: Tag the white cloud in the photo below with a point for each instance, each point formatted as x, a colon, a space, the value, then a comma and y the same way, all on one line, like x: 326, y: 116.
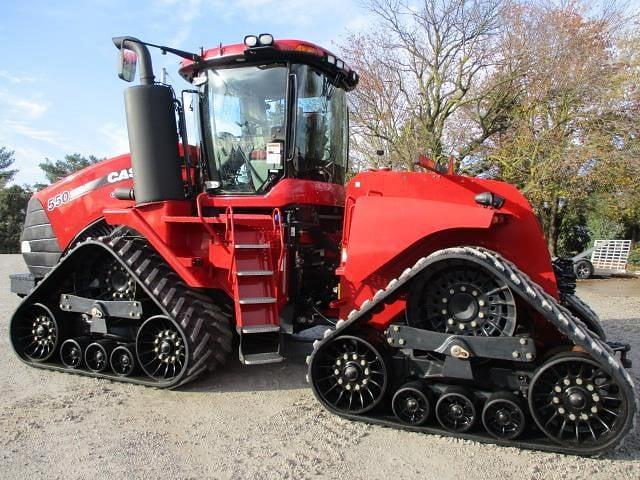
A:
x: 42, y: 135
x: 15, y: 78
x: 32, y: 108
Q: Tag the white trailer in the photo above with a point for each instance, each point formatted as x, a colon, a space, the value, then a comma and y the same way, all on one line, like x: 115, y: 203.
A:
x: 606, y: 257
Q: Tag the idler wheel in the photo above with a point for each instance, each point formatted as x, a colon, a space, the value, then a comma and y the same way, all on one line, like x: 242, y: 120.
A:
x: 503, y: 417
x: 96, y: 355
x: 71, y: 351
x: 456, y: 410
x: 123, y: 360
x: 161, y: 348
x: 349, y: 375
x: 577, y: 403
x: 35, y: 334
x: 412, y: 403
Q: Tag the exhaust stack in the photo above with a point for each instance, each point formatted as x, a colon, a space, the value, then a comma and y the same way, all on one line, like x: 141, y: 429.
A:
x: 153, y: 132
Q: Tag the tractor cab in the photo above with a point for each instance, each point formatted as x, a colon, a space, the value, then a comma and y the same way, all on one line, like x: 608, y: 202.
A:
x: 270, y: 110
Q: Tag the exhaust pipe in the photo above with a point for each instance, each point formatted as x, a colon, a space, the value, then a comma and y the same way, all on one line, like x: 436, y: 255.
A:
x: 153, y: 133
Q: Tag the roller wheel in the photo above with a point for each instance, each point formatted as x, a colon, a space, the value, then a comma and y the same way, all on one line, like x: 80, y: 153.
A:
x: 456, y: 411
x: 71, y: 352
x: 462, y: 298
x: 96, y: 356
x: 161, y: 348
x: 411, y: 404
x: 35, y: 335
x: 349, y: 375
x: 123, y: 360
x: 502, y: 417
x: 575, y: 402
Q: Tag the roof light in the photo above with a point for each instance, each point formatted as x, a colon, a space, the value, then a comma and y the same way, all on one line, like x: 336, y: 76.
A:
x: 340, y: 64
x: 251, y: 41
x: 331, y: 59
x: 265, y: 39
x: 308, y: 49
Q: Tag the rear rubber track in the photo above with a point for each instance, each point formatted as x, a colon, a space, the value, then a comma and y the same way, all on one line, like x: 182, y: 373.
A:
x: 545, y: 304
x: 206, y: 328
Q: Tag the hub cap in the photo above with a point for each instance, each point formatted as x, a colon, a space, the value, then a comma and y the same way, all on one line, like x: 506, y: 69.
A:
x: 573, y: 400
x: 349, y: 375
x: 463, y: 299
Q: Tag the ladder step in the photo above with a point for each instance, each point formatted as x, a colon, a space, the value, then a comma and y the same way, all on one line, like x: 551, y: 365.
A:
x: 256, y: 300
x: 255, y: 273
x: 245, y: 246
x: 258, y: 358
x: 266, y: 328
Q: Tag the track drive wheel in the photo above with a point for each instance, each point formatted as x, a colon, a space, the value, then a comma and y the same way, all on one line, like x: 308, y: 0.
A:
x: 459, y: 297
x: 412, y: 403
x: 579, y: 405
x: 349, y: 375
x: 456, y: 410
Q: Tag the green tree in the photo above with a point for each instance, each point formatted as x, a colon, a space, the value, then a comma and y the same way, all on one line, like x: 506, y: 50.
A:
x: 13, y: 207
x: 58, y: 169
x: 6, y: 161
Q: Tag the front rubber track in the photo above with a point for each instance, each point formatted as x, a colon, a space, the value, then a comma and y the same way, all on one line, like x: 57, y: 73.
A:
x: 545, y: 304
x: 205, y: 326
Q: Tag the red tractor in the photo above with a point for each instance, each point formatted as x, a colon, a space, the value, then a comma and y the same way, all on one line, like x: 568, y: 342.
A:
x: 445, y: 313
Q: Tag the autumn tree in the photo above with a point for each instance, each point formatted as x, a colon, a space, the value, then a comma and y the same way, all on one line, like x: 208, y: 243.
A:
x: 428, y: 73
x: 568, y: 133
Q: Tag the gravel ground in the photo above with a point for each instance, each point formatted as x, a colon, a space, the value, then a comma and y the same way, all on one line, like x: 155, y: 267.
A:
x: 255, y: 422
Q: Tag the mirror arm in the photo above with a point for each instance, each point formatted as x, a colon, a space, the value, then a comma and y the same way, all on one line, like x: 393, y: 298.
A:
x: 146, y: 69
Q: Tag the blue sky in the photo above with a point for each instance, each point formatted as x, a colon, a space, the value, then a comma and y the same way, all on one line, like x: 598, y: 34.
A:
x: 59, y: 92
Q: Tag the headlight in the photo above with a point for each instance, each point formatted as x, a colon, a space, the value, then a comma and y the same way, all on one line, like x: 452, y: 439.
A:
x: 265, y: 39
x: 251, y: 41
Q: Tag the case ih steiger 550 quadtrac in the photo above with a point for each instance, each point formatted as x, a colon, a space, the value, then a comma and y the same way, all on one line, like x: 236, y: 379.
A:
x: 445, y: 312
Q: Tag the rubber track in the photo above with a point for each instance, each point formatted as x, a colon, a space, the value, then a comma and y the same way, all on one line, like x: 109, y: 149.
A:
x: 566, y: 323
x: 206, y: 328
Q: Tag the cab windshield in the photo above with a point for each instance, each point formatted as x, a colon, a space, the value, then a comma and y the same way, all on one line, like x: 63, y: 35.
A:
x: 254, y: 136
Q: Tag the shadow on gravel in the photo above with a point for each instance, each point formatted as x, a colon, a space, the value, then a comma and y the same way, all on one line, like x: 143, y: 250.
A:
x: 235, y: 377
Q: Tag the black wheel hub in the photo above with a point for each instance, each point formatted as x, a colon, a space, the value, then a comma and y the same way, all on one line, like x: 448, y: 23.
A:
x: 169, y: 347
x: 349, y: 375
x: 119, y: 283
x: 464, y: 299
x: 463, y: 306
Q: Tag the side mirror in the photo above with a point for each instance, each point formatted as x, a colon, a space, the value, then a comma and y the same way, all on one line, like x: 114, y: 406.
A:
x: 127, y: 64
